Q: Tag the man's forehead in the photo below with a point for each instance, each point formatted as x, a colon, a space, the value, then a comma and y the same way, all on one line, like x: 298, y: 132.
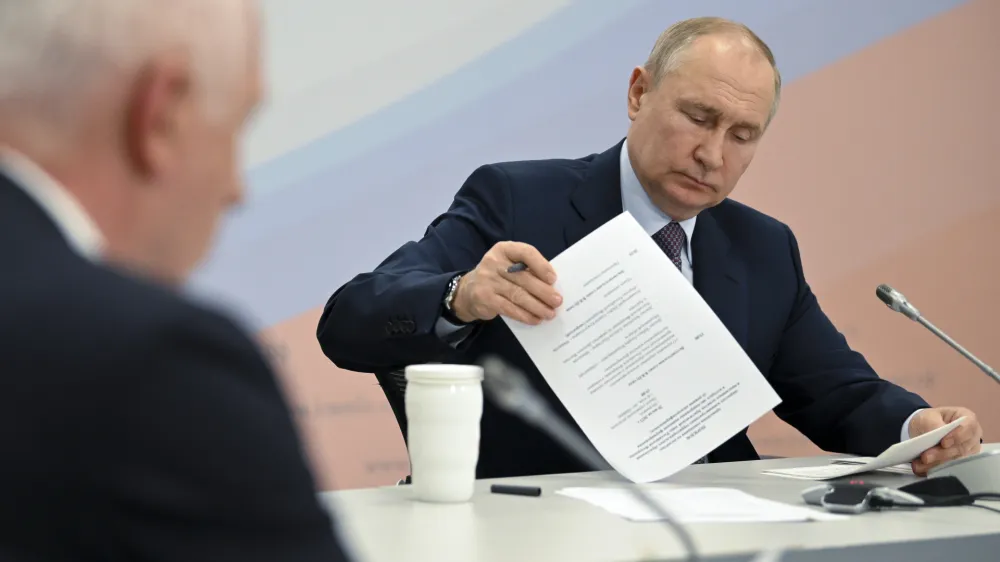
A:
x: 751, y: 80
x: 716, y: 81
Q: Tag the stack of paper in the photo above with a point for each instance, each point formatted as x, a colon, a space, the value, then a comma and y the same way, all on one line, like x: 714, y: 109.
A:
x: 698, y: 505
x: 894, y: 458
x: 903, y: 468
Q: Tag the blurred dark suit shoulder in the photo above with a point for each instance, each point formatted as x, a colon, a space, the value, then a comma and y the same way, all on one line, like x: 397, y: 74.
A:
x: 136, y: 424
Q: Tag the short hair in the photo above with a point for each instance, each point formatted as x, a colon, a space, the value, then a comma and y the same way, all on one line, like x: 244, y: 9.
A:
x: 55, y: 52
x: 667, y: 53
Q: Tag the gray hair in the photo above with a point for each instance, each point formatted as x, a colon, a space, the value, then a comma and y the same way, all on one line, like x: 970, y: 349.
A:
x: 55, y: 54
x: 667, y: 53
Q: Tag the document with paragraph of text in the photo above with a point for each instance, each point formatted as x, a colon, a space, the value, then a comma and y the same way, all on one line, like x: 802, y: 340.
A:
x: 638, y: 358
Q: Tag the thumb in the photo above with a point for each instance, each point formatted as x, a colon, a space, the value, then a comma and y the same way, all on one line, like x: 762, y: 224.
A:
x: 949, y: 415
x: 926, y: 421
x: 935, y: 419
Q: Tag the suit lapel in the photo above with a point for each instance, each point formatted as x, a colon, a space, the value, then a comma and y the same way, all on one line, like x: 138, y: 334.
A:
x: 720, y: 276
x: 598, y: 198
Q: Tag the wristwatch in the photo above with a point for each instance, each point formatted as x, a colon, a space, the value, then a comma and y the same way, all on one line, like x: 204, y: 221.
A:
x: 449, y: 299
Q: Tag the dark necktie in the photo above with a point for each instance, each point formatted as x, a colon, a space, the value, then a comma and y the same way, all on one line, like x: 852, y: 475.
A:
x: 671, y: 239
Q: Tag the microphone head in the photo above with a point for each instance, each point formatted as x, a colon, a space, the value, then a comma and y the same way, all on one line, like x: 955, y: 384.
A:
x: 509, y: 389
x: 884, y: 294
x: 502, y: 386
x: 896, y: 301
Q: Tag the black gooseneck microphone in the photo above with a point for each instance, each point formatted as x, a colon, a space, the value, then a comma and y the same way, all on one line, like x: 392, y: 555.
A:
x: 508, y: 388
x: 896, y: 301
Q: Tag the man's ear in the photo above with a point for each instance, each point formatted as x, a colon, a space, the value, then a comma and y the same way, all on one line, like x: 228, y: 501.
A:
x: 157, y: 110
x: 639, y: 84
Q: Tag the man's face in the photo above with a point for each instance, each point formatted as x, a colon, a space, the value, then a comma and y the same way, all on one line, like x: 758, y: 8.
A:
x: 189, y: 160
x: 695, y: 133
x: 209, y: 178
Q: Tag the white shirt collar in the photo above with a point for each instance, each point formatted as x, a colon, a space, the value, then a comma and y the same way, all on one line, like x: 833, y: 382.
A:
x: 636, y: 201
x: 77, y: 227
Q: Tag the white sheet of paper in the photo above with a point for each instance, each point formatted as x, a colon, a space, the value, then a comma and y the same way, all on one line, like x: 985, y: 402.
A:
x: 646, y: 369
x: 894, y: 456
x: 903, y: 468
x: 698, y: 505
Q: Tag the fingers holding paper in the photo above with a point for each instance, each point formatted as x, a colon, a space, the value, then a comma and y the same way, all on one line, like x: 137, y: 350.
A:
x: 962, y: 441
x: 489, y: 290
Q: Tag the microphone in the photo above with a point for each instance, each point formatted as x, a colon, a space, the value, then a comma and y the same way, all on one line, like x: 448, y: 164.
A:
x: 509, y: 389
x: 896, y: 301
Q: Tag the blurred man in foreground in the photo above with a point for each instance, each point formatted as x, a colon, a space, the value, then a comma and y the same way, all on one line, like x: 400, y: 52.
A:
x: 135, y: 425
x: 698, y: 109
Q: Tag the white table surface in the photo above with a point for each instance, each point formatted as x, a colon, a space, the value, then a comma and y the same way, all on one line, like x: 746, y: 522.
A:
x: 385, y: 524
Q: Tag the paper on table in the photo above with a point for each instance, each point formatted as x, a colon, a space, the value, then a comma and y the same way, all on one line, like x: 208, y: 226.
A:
x: 893, y: 456
x: 698, y: 505
x: 646, y: 369
x: 902, y: 468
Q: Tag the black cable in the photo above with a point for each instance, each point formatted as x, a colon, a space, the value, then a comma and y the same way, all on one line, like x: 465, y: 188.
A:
x: 952, y: 501
x: 986, y: 507
x: 969, y: 499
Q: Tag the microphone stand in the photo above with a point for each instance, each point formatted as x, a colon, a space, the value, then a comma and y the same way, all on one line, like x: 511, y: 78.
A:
x: 955, y: 345
x: 897, y: 302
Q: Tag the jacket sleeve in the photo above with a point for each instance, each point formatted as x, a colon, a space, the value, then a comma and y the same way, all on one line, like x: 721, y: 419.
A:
x: 388, y: 318
x: 829, y: 392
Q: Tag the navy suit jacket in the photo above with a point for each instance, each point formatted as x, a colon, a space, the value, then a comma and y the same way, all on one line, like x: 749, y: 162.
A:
x: 746, y: 267
x: 135, y: 425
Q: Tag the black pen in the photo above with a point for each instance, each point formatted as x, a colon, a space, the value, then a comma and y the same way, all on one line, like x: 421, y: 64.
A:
x: 518, y: 266
x: 512, y: 490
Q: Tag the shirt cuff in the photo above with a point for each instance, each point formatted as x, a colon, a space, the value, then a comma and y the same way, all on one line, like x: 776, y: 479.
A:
x: 904, y: 435
x: 451, y: 333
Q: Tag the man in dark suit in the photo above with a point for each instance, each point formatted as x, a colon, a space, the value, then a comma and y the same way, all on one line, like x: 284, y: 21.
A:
x: 698, y: 109
x: 136, y: 424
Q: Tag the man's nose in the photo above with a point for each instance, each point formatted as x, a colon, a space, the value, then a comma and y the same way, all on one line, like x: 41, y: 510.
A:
x: 709, y: 151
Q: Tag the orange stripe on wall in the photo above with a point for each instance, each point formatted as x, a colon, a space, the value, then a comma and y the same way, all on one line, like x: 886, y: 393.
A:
x: 885, y: 166
x: 350, y: 433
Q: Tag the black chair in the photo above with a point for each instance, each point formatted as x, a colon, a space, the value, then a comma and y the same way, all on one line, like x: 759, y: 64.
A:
x: 393, y: 385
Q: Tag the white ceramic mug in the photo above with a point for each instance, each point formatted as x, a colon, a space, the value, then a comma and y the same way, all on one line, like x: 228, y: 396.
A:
x: 444, y: 405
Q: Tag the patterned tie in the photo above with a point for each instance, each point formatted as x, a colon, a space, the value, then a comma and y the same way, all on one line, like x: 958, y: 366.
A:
x: 671, y: 239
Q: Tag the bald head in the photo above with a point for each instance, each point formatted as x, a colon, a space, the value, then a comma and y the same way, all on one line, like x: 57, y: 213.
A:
x: 137, y: 108
x: 57, y: 55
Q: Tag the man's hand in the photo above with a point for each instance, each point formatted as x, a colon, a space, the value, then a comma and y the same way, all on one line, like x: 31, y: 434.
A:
x: 960, y: 442
x: 488, y: 290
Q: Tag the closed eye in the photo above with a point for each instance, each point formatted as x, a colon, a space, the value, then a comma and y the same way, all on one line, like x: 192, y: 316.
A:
x: 697, y: 119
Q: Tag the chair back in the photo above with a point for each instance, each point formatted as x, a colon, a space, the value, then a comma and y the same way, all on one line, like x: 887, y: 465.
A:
x: 393, y: 385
